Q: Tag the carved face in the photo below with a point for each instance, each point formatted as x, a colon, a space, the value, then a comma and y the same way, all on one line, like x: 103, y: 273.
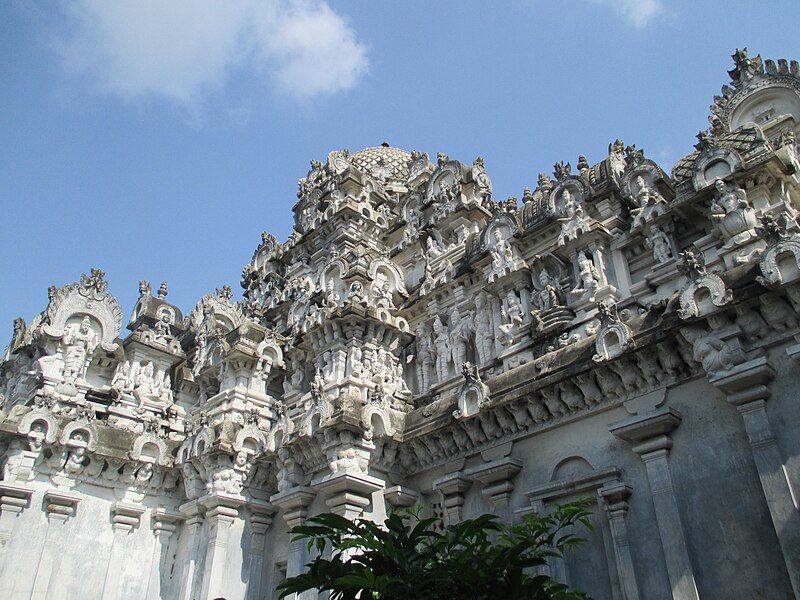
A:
x: 85, y: 325
x: 498, y: 236
x: 720, y: 186
x: 566, y: 196
x: 148, y: 370
x: 640, y: 183
x: 544, y: 278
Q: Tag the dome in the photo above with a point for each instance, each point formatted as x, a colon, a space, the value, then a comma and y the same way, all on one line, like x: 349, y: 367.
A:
x: 384, y: 162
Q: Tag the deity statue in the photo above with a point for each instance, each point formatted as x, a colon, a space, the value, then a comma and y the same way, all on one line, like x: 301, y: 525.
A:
x: 658, y: 242
x: 434, y: 248
x: 484, y: 332
x: 546, y: 294
x: 649, y: 203
x: 79, y: 343
x: 162, y: 329
x: 356, y: 293
x: 588, y: 274
x: 165, y: 393
x: 425, y: 357
x: 735, y: 218
x: 573, y: 221
x: 331, y: 300
x: 122, y: 379
x: 460, y: 334
x: 511, y: 312
x: 356, y: 366
x: 145, y: 384
x: 502, y: 257
x: 381, y: 294
x: 441, y: 342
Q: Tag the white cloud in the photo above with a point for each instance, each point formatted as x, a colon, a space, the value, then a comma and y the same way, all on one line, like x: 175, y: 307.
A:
x: 184, y: 50
x: 637, y: 12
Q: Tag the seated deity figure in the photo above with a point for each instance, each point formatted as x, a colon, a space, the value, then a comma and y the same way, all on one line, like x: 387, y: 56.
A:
x: 145, y: 384
x: 502, y: 257
x: 658, y: 242
x: 79, y: 343
x: 162, y: 329
x: 122, y: 377
x: 511, y: 312
x: 441, y: 342
x: 649, y: 203
x: 588, y: 274
x: 546, y: 296
x: 165, y: 394
x: 433, y: 247
x: 735, y: 218
x: 381, y: 294
x: 356, y: 366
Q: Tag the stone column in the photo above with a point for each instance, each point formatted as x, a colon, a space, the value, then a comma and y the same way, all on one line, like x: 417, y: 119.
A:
x: 745, y: 387
x: 164, y: 523
x: 648, y: 434
x: 452, y: 487
x: 615, y: 495
x: 261, y: 513
x: 497, y: 478
x: 193, y: 513
x: 294, y: 503
x: 125, y: 518
x: 14, y: 498
x: 59, y: 506
x: 221, y: 511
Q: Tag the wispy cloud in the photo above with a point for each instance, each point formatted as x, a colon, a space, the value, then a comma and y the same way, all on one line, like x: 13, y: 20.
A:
x: 185, y: 50
x: 638, y: 13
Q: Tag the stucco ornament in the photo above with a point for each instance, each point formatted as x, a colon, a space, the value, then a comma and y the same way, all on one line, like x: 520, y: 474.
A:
x: 659, y: 243
x: 776, y: 271
x: 572, y: 218
x: 704, y: 292
x: 736, y: 220
x: 474, y: 393
x: 647, y: 201
x: 614, y: 337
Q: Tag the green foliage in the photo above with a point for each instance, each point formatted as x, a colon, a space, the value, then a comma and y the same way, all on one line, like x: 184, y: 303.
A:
x: 408, y: 559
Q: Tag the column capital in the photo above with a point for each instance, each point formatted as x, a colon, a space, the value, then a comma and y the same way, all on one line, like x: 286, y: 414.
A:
x: 164, y: 520
x: 746, y: 382
x: 616, y: 494
x: 261, y: 513
x: 126, y: 516
x: 220, y: 505
x: 347, y: 494
x: 14, y: 498
x: 401, y: 496
x: 497, y: 478
x: 648, y: 432
x: 60, y: 504
x: 294, y: 503
x: 452, y: 486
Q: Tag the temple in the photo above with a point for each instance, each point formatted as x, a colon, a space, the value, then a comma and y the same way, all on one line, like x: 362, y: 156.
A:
x: 620, y: 333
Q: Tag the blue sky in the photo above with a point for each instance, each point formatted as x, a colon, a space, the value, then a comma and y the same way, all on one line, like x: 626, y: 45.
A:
x: 157, y: 140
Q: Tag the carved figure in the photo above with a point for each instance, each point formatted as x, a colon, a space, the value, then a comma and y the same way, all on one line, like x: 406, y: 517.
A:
x: 546, y: 296
x: 649, y: 204
x: 441, y: 342
x: 588, y: 274
x: 736, y: 219
x: 658, y: 242
x: 79, y: 343
x: 502, y: 257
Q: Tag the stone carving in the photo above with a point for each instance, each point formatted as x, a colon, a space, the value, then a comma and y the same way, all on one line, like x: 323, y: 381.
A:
x: 589, y: 278
x: 474, y: 393
x: 78, y: 345
x: 547, y: 294
x: 779, y: 243
x: 573, y: 220
x: 441, y: 342
x: 614, y: 336
x: 736, y: 220
x: 648, y: 203
x: 693, y: 266
x: 659, y: 243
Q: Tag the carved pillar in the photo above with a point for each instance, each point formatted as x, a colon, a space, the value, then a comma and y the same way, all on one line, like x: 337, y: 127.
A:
x: 497, y: 478
x: 452, y: 487
x: 649, y: 435
x: 193, y: 513
x: 125, y: 518
x: 347, y: 494
x: 164, y: 524
x: 260, y: 519
x: 294, y: 504
x: 14, y: 498
x: 221, y: 511
x: 745, y: 387
x: 616, y: 494
x: 59, y: 506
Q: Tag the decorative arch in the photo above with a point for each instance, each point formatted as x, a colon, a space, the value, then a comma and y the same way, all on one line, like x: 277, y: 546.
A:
x: 571, y: 468
x: 250, y: 436
x: 75, y: 428
x: 150, y: 448
x: 715, y: 163
x: 692, y: 302
x: 371, y: 413
x: 774, y: 270
x: 506, y: 222
x: 392, y: 273
x: 26, y: 425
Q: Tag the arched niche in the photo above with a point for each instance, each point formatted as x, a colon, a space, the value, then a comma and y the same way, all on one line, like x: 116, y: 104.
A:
x: 767, y: 107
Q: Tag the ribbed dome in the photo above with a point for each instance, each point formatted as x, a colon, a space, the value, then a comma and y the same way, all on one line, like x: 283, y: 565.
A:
x: 384, y: 162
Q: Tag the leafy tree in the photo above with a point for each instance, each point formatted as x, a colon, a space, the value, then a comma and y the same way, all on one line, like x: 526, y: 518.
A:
x: 412, y: 559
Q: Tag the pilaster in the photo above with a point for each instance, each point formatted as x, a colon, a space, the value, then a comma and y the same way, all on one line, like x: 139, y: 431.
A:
x: 615, y: 495
x: 193, y: 514
x: 452, y: 487
x: 221, y: 511
x: 164, y: 523
x: 347, y: 494
x: 497, y: 477
x: 125, y: 517
x: 745, y: 387
x: 648, y: 434
x: 294, y: 504
x: 59, y: 506
x: 261, y: 513
x: 14, y: 498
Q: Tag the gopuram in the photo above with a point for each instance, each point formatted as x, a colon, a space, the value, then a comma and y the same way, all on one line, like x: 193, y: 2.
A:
x: 620, y: 333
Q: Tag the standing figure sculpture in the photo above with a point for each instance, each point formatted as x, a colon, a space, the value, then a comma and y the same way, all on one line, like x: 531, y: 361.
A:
x: 441, y: 341
x: 658, y: 242
x: 425, y: 357
x: 484, y: 332
x: 546, y: 296
x: 460, y: 334
x: 79, y: 344
x: 588, y: 274
x: 502, y: 257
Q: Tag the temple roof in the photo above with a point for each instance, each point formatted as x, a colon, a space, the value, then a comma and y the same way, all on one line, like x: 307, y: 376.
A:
x: 383, y: 162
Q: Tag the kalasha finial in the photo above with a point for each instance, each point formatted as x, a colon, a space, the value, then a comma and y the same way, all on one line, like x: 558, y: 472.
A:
x: 385, y: 144
x: 162, y: 290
